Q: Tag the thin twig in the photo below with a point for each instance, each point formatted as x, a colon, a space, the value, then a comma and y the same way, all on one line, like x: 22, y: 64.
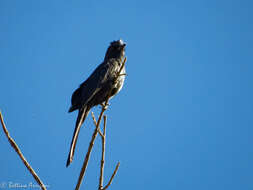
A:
x: 122, y: 66
x: 104, y: 129
x: 114, y: 173
x: 18, y: 151
x: 101, y: 178
x: 95, y: 123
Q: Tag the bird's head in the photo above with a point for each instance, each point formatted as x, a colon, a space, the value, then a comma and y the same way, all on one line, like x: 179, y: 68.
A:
x: 116, y: 50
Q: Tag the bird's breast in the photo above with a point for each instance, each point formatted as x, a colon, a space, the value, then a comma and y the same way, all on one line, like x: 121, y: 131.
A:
x: 121, y: 79
x: 119, y: 83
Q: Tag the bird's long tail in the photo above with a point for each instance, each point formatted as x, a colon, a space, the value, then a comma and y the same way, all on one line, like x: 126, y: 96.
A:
x: 82, y: 114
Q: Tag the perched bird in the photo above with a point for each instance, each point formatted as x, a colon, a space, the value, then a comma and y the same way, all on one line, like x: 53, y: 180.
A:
x: 100, y: 85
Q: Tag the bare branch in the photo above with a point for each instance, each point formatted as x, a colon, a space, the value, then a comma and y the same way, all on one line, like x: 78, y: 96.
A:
x: 18, y: 151
x: 101, y: 178
x: 105, y: 119
x: 95, y: 123
x: 113, y: 175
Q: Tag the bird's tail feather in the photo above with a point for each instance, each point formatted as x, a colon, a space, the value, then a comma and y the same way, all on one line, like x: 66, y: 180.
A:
x: 82, y: 114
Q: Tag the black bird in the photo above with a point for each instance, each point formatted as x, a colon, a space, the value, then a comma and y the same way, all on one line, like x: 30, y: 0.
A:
x: 98, y: 87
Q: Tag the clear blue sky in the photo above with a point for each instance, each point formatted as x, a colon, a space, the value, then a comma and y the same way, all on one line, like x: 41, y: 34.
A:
x: 182, y: 121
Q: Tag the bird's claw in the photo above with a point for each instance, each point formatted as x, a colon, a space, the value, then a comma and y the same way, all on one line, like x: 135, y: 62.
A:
x: 105, y: 106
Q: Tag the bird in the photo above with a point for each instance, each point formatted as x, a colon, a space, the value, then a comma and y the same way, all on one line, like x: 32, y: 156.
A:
x: 102, y: 84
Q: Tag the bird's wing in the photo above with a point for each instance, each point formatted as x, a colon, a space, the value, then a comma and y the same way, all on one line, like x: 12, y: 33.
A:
x: 100, y: 77
x: 96, y: 81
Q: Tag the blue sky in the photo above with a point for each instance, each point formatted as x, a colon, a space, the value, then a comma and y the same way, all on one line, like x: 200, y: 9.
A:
x: 183, y: 119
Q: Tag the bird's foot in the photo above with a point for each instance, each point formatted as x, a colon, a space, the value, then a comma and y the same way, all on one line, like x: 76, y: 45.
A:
x: 105, y: 106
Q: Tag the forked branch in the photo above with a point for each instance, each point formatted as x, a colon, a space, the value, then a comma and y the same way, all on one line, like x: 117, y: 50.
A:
x: 87, y: 157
